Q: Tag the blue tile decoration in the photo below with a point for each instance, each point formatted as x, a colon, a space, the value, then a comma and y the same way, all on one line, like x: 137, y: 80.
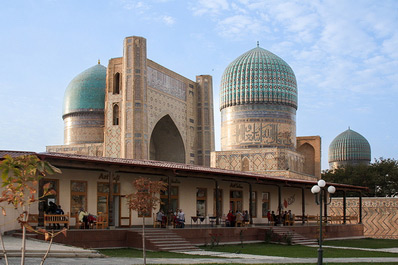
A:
x: 258, y: 76
x: 86, y: 92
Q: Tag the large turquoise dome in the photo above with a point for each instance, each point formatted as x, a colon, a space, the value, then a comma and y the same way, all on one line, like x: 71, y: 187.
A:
x: 86, y: 92
x: 349, y: 147
x: 258, y: 76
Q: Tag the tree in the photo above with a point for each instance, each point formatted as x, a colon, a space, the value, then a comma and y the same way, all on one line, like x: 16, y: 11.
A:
x: 381, y: 177
x: 144, y: 200
x: 20, y: 178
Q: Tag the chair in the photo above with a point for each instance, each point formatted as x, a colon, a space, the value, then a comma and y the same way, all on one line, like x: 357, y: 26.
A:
x: 102, y: 221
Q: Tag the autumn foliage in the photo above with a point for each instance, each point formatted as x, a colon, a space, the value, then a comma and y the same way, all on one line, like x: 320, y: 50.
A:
x: 146, y: 196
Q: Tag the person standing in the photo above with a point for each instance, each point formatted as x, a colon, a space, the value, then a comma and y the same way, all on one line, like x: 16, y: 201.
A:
x: 181, y: 218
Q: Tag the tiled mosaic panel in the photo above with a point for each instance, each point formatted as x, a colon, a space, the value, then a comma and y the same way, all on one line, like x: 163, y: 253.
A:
x: 166, y: 84
x: 260, y: 161
x: 379, y: 215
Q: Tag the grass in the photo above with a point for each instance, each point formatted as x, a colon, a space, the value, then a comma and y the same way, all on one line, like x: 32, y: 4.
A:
x: 297, y: 251
x: 364, y: 243
x: 357, y: 263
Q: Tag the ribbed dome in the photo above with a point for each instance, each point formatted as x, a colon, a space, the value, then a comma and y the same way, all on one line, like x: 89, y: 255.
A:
x: 349, y: 146
x: 258, y: 76
x: 86, y: 91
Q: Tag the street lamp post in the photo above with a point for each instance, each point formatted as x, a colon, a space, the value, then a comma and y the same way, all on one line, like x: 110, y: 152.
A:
x: 319, y: 191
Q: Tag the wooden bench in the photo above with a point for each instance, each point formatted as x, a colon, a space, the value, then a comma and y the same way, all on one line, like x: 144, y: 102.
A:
x: 312, y: 218
x: 289, y: 221
x: 335, y: 219
x: 53, y: 219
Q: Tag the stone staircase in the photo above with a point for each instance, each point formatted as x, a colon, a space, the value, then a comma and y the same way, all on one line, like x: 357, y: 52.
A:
x: 167, y: 240
x: 297, y: 239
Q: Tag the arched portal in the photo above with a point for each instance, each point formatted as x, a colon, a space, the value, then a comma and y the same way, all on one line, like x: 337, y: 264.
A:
x: 309, y: 158
x: 166, y: 142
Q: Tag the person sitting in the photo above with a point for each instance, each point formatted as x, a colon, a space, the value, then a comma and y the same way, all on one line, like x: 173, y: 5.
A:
x: 59, y: 211
x: 238, y: 218
x: 230, y: 219
x: 83, y: 218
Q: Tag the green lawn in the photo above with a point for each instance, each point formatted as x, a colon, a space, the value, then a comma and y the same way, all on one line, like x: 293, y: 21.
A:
x: 297, y: 251
x: 364, y: 243
x: 361, y: 263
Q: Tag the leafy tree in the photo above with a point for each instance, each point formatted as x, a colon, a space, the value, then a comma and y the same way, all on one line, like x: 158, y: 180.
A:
x: 144, y: 200
x: 20, y: 178
x: 380, y: 177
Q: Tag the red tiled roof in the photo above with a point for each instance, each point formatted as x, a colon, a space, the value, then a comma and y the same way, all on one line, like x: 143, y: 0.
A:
x: 168, y: 165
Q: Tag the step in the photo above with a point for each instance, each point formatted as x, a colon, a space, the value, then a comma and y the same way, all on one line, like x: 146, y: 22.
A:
x: 177, y: 248
x: 175, y: 245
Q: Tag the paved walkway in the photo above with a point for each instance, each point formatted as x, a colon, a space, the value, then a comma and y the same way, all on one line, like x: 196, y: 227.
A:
x: 66, y: 255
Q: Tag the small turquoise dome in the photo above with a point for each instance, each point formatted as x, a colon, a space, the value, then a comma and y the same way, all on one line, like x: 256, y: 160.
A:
x: 258, y: 76
x: 86, y: 92
x: 350, y: 147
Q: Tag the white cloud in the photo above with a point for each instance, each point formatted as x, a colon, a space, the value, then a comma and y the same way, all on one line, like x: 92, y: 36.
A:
x: 168, y: 20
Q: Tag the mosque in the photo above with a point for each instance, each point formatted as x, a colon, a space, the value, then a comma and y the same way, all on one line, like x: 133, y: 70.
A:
x: 137, y: 118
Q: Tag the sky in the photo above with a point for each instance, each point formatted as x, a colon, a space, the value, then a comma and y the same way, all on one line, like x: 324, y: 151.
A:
x: 344, y: 54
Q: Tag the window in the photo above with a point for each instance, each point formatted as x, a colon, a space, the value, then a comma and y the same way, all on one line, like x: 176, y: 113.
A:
x: 78, y: 196
x: 103, y: 194
x: 254, y: 204
x: 219, y: 202
x: 116, y: 83
x: 265, y: 203
x: 173, y: 199
x: 235, y: 200
x: 116, y: 114
x: 201, y: 196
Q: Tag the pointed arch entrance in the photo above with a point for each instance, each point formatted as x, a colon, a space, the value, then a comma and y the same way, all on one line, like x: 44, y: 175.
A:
x: 166, y: 143
x: 309, y: 153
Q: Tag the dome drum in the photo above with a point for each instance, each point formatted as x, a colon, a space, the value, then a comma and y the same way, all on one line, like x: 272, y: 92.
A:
x: 258, y: 126
x: 84, y: 128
